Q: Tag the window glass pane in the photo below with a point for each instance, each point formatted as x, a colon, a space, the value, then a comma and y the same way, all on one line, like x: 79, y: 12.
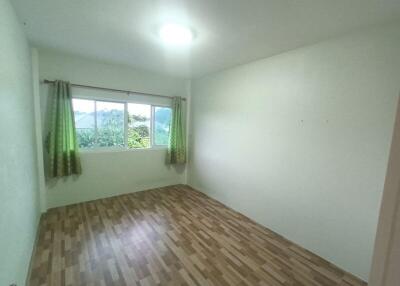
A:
x: 162, y: 121
x: 84, y: 122
x: 110, y: 123
x: 139, y: 125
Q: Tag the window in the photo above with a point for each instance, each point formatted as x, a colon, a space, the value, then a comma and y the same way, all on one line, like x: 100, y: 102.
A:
x: 139, y: 125
x: 162, y: 122
x: 84, y: 111
x: 108, y: 124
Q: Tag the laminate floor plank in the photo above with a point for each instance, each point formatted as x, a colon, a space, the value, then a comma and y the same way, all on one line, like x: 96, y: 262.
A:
x: 170, y: 236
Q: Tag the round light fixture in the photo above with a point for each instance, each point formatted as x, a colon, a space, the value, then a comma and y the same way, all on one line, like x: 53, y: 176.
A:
x: 175, y: 34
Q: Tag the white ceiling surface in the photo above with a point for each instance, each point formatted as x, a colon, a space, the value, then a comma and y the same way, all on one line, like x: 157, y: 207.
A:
x: 228, y: 32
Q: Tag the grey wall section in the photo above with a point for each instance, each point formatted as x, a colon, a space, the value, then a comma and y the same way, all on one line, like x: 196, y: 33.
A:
x: 18, y: 177
x: 300, y: 141
x: 107, y: 173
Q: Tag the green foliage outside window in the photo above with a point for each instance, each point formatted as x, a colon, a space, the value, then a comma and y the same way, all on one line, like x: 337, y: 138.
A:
x: 110, y: 132
x: 86, y: 137
x: 110, y: 127
x: 138, y: 132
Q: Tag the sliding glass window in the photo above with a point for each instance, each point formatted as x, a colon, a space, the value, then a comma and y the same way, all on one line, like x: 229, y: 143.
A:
x: 162, y: 122
x: 111, y: 124
x: 85, y: 122
x: 139, y: 117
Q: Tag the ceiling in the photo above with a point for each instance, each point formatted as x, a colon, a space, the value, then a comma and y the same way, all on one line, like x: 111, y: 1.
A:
x: 228, y: 32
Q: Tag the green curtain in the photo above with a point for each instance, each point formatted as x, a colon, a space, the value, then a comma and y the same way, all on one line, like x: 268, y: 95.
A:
x: 62, y: 143
x: 177, y: 141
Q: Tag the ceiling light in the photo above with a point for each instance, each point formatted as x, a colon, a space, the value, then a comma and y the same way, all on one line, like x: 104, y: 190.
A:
x: 175, y: 34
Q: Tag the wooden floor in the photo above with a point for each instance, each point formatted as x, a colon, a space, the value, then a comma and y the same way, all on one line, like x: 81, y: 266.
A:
x: 169, y: 236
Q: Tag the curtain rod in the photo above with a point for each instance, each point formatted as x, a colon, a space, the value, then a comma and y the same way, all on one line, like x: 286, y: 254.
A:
x: 46, y: 81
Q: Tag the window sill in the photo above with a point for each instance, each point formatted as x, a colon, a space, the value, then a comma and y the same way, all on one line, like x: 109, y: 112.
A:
x: 122, y: 149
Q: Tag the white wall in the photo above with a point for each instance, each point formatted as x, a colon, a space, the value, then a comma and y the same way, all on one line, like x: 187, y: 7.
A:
x: 299, y: 142
x: 19, y: 202
x: 108, y: 173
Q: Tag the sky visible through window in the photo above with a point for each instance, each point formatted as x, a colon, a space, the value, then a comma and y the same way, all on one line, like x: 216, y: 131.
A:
x: 83, y: 105
x: 139, y: 109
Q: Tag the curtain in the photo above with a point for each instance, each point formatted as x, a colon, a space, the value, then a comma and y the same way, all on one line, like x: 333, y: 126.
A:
x: 62, y: 143
x: 177, y: 141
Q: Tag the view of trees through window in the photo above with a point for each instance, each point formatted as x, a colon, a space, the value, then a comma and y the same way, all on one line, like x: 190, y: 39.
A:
x: 102, y: 124
x: 110, y: 123
x: 139, y: 125
x: 84, y: 111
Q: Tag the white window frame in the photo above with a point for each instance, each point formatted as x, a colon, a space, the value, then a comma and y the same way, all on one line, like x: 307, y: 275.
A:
x: 152, y: 146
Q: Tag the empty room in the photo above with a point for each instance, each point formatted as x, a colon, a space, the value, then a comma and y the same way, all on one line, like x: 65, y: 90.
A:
x: 199, y: 143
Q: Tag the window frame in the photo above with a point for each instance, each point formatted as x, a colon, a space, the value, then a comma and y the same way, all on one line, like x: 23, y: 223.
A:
x: 98, y: 149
